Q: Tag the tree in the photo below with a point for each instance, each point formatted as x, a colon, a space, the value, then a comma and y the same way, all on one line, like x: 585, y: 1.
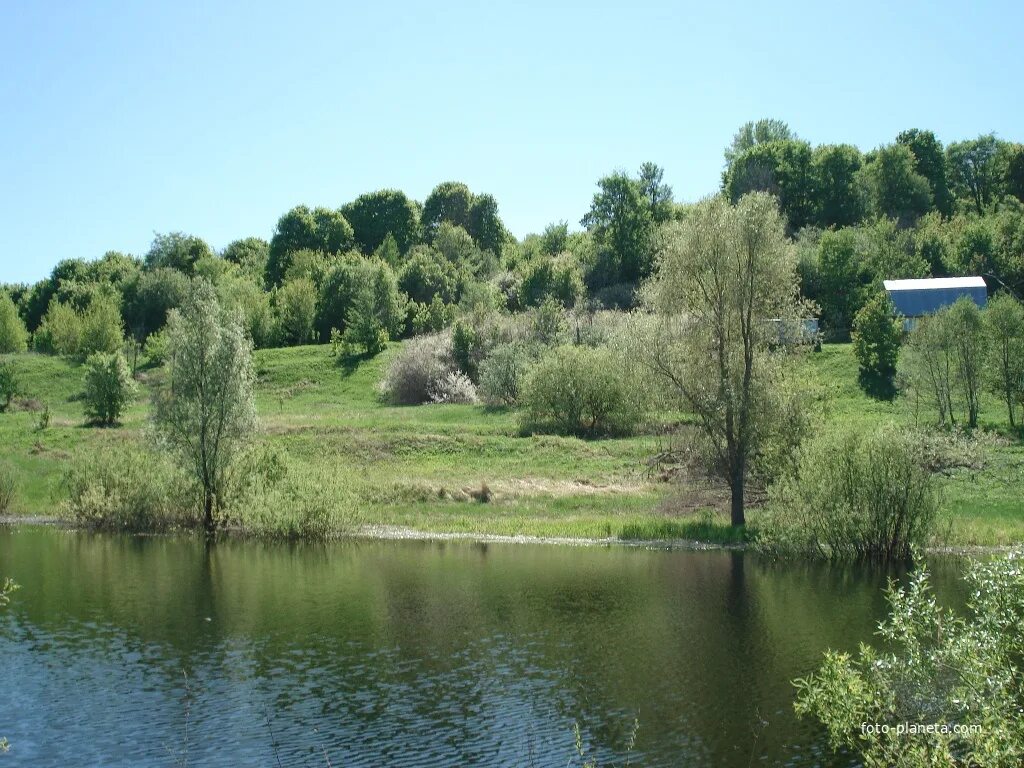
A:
x: 838, y: 201
x: 839, y: 268
x: 1004, y: 327
x: 148, y: 299
x: 108, y: 387
x: 657, y: 193
x: 427, y: 274
x: 102, y: 328
x: 894, y: 188
x: 176, y: 250
x: 13, y: 336
x: 207, y: 411
x: 10, y: 386
x: 377, y: 313
x: 485, y: 226
x: 449, y: 201
x: 975, y: 173
x: 782, y: 168
x: 877, y: 335
x: 376, y: 215
x: 320, y: 229
x: 757, y: 132
x: 930, y: 162
x: 296, y: 309
x: 724, y: 272
x: 250, y: 254
x: 969, y: 350
x: 1015, y: 171
x: 555, y: 238
x: 621, y: 223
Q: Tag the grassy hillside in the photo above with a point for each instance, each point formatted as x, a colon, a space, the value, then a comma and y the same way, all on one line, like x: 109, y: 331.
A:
x: 424, y: 466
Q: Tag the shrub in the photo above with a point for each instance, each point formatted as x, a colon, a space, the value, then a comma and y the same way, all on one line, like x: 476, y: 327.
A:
x: 876, y: 342
x: 579, y: 391
x: 60, y: 332
x: 463, y: 341
x: 378, y: 309
x: 937, y: 667
x: 102, y: 330
x: 545, y: 278
x: 454, y: 387
x: 129, y: 489
x: 156, y: 347
x: 548, y: 323
x: 12, y: 330
x: 296, y: 310
x: 108, y: 387
x: 432, y: 317
x: 415, y: 371
x: 853, y: 496
x: 502, y: 373
x: 9, y: 385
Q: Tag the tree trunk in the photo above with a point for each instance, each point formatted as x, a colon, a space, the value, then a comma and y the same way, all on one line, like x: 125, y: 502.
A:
x: 208, y: 513
x: 736, y: 483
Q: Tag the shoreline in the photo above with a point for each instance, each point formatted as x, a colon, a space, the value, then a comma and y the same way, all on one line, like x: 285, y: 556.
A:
x: 400, y: 533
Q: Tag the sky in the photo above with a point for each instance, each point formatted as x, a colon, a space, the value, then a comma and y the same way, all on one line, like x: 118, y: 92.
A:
x: 119, y: 120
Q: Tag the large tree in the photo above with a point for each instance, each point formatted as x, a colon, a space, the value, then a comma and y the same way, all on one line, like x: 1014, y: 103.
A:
x: 893, y: 186
x: 207, y: 410
x: 930, y: 162
x: 726, y: 273
x: 485, y: 225
x: 621, y: 223
x: 1004, y: 372
x: 176, y: 250
x: 376, y: 215
x: 757, y: 132
x: 975, y: 169
x: 320, y: 229
x: 782, y: 168
x: 838, y: 201
x: 449, y: 201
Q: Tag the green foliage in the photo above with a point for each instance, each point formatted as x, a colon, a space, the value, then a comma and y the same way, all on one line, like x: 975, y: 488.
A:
x: 413, y: 374
x: 485, y: 226
x: 894, y: 188
x: 463, y: 341
x: 320, y: 229
x: 622, y: 225
x: 930, y: 162
x: 960, y: 674
x: 129, y: 489
x: 757, y: 132
x: 8, y: 493
x: 502, y: 373
x: 548, y: 323
x: 839, y: 272
x: 839, y: 202
x: 60, y: 331
x: 13, y: 336
x: 426, y: 275
x: 177, y: 250
x: 451, y: 202
x: 156, y: 348
x: 432, y: 317
x: 207, y: 412
x: 102, y: 329
x: 853, y: 495
x: 1004, y: 367
x: 547, y: 278
x: 877, y: 335
x: 109, y: 387
x: 250, y: 255
x: 296, y: 310
x: 376, y: 216
x: 148, y: 300
x: 578, y: 391
x: 378, y: 309
x: 976, y: 171
x: 780, y: 168
x: 10, y: 386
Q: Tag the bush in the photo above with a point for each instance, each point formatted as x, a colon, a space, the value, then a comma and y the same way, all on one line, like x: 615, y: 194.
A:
x: 853, y: 496
x: 415, y: 371
x: 156, y: 347
x: 13, y: 335
x: 547, y: 278
x: 548, y: 323
x: 9, y: 385
x: 432, y: 317
x: 454, y: 387
x: 296, y: 310
x: 108, y: 387
x: 502, y: 373
x: 60, y: 332
x: 876, y: 343
x: 937, y: 667
x: 102, y: 330
x: 578, y: 391
x: 130, y: 489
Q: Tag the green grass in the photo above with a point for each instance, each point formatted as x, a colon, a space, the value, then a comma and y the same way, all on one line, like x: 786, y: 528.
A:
x: 422, y: 467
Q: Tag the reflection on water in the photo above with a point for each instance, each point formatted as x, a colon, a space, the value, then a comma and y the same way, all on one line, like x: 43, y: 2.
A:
x: 411, y: 653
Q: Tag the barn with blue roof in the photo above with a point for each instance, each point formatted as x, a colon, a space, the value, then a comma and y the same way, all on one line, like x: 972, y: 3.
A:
x: 920, y: 297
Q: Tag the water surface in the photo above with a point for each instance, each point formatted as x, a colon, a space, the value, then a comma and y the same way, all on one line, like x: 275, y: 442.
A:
x: 159, y: 651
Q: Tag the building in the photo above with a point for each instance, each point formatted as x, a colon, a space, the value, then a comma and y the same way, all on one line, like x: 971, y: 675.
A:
x: 916, y: 298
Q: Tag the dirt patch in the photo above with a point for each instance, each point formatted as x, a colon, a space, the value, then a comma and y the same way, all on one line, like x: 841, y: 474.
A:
x: 529, y: 486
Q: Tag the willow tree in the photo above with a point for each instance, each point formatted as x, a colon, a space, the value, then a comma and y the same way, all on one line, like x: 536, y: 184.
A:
x: 726, y: 293
x: 207, y: 411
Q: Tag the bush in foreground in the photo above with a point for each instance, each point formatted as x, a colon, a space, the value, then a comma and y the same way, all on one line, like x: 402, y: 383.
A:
x: 579, y: 391
x: 853, y: 496
x: 130, y: 489
x: 959, y: 673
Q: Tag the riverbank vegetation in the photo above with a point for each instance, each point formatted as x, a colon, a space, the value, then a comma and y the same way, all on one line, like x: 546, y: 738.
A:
x: 947, y: 688
x: 389, y: 363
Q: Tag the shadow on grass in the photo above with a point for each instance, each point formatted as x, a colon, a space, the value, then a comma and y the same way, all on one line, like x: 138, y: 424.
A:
x: 877, y: 387
x: 350, y: 362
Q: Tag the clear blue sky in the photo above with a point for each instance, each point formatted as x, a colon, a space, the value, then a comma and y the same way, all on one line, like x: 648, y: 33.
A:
x: 123, y: 119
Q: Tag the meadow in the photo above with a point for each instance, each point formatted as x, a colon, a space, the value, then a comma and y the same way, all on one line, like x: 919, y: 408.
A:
x: 470, y: 469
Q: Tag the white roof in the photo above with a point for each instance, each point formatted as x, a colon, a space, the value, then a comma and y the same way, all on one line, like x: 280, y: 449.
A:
x: 932, y: 283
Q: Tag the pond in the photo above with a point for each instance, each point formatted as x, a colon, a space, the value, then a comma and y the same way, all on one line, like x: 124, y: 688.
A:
x: 159, y: 651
